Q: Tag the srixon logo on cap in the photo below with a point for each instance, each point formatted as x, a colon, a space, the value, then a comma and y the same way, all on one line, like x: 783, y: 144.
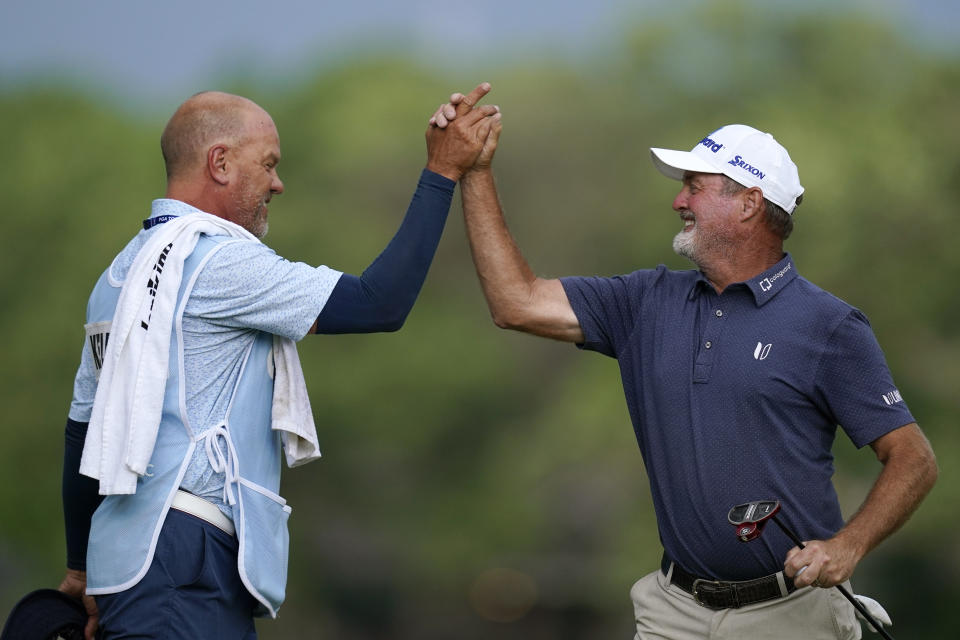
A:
x: 738, y: 161
x: 710, y: 144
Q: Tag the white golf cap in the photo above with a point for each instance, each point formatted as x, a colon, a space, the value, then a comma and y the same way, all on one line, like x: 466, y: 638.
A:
x: 752, y: 158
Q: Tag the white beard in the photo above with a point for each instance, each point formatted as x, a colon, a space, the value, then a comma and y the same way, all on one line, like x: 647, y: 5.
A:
x: 684, y: 245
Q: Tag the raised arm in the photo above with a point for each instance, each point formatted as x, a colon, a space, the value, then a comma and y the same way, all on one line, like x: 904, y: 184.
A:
x: 517, y: 298
x: 381, y: 298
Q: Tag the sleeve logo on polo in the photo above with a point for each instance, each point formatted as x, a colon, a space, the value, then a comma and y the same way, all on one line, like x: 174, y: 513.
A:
x: 893, y: 397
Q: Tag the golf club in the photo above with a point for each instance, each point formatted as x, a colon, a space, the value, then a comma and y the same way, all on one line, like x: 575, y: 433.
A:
x: 750, y: 518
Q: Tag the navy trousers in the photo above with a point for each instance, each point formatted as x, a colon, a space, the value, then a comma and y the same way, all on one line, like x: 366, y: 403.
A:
x: 191, y: 591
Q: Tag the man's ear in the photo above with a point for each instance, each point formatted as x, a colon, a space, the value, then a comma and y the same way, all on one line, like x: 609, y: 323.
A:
x: 753, y: 204
x: 217, y: 164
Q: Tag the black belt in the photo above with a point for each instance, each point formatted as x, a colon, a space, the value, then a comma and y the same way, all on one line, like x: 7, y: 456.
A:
x: 718, y: 594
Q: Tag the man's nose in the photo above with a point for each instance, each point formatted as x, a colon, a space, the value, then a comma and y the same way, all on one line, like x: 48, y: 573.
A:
x: 680, y: 202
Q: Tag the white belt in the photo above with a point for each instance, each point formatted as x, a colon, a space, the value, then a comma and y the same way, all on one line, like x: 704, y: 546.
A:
x: 195, y: 506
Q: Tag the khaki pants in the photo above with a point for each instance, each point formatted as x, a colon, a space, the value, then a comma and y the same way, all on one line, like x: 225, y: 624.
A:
x: 666, y: 612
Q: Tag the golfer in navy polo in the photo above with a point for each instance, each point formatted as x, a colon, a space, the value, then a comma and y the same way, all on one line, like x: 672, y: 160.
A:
x: 736, y: 376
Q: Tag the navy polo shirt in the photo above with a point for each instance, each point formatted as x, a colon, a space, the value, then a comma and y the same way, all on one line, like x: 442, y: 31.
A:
x: 736, y: 397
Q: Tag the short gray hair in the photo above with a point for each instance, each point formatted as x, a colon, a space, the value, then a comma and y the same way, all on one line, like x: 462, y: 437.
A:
x: 778, y: 221
x: 204, y: 119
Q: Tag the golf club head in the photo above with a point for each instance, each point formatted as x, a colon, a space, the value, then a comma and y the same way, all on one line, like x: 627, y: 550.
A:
x: 750, y: 518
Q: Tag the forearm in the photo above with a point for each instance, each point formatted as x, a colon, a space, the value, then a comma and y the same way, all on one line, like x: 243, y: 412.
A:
x: 909, y: 472
x: 505, y: 277
x: 382, y: 297
x: 80, y: 496
x: 517, y: 298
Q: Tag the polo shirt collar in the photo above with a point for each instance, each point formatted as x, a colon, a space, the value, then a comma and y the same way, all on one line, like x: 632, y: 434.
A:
x: 772, y: 281
x: 763, y: 286
x: 170, y: 207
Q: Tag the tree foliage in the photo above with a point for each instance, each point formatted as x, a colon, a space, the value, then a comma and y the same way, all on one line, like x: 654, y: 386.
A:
x: 463, y: 463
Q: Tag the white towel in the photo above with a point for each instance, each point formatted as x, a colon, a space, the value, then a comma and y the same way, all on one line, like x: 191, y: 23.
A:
x: 129, y: 400
x: 291, y: 413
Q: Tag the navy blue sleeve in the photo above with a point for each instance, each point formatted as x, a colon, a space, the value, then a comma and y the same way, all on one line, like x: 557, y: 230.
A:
x: 605, y: 309
x: 382, y: 297
x: 81, y: 496
x: 856, y: 384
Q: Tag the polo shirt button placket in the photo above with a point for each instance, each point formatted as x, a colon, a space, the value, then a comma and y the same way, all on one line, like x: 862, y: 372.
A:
x: 712, y: 319
x: 709, y: 343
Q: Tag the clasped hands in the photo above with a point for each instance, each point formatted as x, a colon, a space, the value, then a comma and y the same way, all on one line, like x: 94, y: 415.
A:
x: 462, y: 136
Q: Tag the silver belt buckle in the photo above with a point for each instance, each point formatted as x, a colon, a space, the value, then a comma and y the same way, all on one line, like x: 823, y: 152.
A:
x: 696, y: 592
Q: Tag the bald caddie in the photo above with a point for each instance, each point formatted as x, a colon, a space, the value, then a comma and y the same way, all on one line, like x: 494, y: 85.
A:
x: 189, y: 391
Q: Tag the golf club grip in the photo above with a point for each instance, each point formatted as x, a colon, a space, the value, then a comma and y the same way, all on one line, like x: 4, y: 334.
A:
x: 846, y: 594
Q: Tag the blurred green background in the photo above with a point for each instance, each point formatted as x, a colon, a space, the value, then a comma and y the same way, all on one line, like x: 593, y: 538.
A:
x: 478, y: 483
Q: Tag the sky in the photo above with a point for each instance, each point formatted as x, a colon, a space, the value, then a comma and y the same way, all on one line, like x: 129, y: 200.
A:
x: 145, y: 51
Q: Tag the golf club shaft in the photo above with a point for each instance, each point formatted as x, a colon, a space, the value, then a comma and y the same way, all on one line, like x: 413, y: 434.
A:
x: 846, y: 594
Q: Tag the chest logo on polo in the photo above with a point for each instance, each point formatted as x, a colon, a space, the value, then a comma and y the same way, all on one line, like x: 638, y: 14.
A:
x: 762, y: 351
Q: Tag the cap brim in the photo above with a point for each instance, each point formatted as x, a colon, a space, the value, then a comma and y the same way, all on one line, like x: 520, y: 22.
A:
x: 41, y: 613
x: 673, y: 164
